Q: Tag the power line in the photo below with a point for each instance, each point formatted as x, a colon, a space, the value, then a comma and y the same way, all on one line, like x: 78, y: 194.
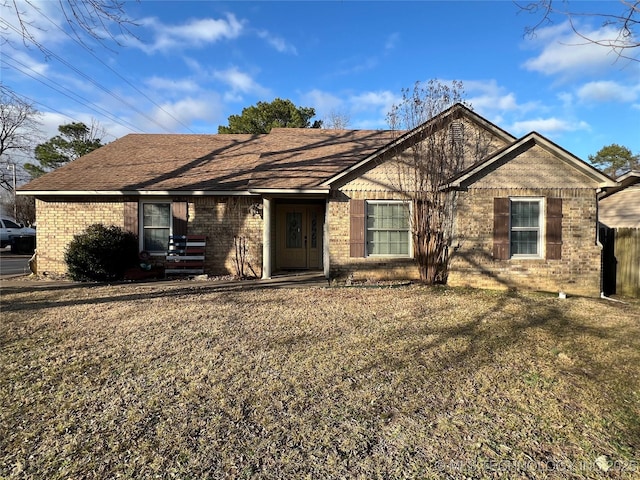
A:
x: 124, y: 79
x: 87, y: 77
x: 48, y: 107
x: 86, y: 103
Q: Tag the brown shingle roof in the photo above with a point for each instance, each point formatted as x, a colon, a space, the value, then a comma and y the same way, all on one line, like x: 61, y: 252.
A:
x: 305, y: 158
x: 159, y: 162
x: 285, y: 158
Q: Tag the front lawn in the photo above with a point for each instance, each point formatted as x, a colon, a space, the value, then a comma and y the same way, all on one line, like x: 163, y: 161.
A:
x: 185, y: 381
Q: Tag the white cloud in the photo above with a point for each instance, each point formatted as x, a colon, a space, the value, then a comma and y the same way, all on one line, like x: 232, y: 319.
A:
x: 329, y: 108
x: 488, y: 96
x: 52, y: 120
x: 494, y: 101
x: 323, y: 102
x: 566, y: 98
x: 607, y: 91
x: 548, y: 126
x: 240, y: 82
x: 172, y: 85
x: 196, y: 33
x: 28, y: 64
x: 278, y: 43
x: 392, y: 42
x: 567, y: 54
x: 365, y: 110
x: 186, y: 111
x: 486, y: 102
x: 382, y: 100
x: 379, y: 102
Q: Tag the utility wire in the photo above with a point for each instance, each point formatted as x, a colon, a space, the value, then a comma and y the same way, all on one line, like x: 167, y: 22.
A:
x: 124, y: 79
x: 71, y: 95
x: 48, y: 107
x: 88, y: 78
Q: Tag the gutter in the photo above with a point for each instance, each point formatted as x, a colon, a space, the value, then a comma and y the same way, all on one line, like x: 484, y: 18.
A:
x: 135, y: 193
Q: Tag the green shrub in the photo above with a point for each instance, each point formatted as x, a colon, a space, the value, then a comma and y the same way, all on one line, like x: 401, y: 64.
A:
x: 101, y: 254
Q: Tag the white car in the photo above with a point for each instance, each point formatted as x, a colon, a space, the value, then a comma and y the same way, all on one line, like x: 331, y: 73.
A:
x: 10, y: 229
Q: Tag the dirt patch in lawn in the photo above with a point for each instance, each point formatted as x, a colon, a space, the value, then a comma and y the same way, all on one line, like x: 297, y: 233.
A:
x: 412, y: 382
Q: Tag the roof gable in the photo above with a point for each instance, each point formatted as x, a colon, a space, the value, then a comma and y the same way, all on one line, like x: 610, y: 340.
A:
x: 403, y: 140
x: 516, y: 149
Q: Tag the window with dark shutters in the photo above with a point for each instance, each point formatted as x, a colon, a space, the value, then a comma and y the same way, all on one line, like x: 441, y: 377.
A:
x: 357, y: 228
x: 501, y: 225
x: 554, y: 229
x: 503, y: 229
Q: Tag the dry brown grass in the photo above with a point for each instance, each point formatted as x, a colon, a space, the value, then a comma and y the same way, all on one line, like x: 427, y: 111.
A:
x: 142, y: 381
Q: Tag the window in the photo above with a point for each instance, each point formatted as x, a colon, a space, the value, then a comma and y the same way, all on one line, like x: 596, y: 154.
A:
x: 294, y: 230
x: 10, y: 224
x: 527, y: 228
x: 525, y: 233
x: 388, y: 228
x: 156, y: 226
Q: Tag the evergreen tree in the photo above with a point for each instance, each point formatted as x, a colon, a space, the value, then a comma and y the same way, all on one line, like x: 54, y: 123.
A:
x: 74, y: 141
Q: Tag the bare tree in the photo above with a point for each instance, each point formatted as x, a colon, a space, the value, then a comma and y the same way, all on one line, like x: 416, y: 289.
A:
x: 22, y: 208
x: 95, y: 18
x: 623, y: 42
x: 336, y: 120
x: 424, y: 166
x: 19, y: 128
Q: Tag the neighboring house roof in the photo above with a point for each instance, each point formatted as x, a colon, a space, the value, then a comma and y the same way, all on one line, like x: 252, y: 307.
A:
x: 478, y: 170
x: 621, y: 208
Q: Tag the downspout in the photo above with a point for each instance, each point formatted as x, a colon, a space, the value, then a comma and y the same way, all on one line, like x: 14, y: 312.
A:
x: 599, y: 244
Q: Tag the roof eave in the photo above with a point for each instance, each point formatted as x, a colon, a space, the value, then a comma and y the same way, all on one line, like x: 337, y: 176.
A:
x: 134, y: 193
x: 296, y: 191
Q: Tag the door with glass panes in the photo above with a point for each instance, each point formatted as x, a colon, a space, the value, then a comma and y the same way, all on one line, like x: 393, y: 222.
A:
x: 299, y: 236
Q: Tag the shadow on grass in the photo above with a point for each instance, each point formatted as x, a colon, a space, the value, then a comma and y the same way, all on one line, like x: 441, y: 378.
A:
x: 485, y: 337
x: 150, y: 290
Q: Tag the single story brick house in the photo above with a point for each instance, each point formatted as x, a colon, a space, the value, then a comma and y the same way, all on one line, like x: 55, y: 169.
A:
x: 314, y: 199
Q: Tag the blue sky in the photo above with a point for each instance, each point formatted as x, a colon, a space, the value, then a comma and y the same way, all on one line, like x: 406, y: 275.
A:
x: 192, y: 64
